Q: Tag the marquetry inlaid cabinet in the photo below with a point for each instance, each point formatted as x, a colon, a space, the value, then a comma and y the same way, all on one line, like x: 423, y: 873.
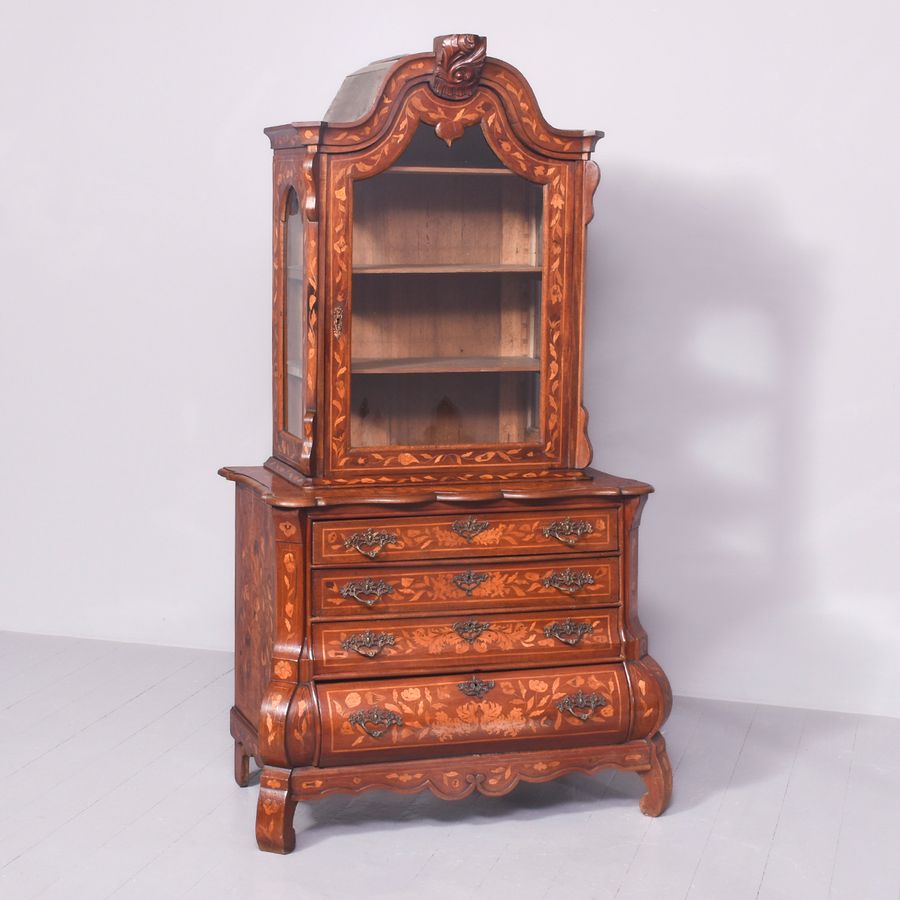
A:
x: 433, y: 590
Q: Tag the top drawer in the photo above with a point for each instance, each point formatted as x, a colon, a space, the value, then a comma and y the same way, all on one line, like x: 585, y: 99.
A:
x: 368, y: 541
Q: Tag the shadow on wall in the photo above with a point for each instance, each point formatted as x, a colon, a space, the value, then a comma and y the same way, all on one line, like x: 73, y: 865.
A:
x: 699, y: 328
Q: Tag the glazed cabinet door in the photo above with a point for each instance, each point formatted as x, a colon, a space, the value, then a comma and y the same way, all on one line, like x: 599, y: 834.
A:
x: 446, y: 290
x: 295, y: 293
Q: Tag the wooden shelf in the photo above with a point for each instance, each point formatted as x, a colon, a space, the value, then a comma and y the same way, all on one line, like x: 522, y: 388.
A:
x: 441, y: 269
x: 446, y: 170
x: 429, y: 364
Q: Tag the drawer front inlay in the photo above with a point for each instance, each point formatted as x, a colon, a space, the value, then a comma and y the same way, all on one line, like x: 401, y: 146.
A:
x: 374, y: 541
x: 435, y: 716
x: 500, y: 640
x: 420, y: 590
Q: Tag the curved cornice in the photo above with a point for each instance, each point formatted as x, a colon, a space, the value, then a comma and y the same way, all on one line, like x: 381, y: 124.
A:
x: 380, y: 88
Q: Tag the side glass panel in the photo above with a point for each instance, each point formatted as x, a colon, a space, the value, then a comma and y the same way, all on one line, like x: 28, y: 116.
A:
x: 294, y: 316
x: 446, y: 329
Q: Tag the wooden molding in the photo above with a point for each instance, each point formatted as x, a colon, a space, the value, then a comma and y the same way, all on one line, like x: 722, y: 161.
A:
x: 458, y: 61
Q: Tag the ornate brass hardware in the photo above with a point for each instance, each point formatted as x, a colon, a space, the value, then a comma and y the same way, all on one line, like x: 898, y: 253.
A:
x: 370, y: 542
x: 470, y: 630
x: 368, y: 592
x: 468, y: 581
x: 569, y: 632
x: 368, y: 643
x: 381, y: 718
x: 469, y: 528
x: 475, y: 687
x: 337, y: 320
x: 568, y: 531
x: 581, y: 705
x: 569, y: 581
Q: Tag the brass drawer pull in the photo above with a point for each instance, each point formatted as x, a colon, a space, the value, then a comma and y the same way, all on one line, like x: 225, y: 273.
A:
x: 370, y: 542
x: 469, y: 528
x: 368, y: 643
x: 475, y: 687
x: 569, y: 632
x: 470, y: 630
x: 468, y: 581
x: 581, y: 705
x: 569, y: 581
x: 568, y: 531
x: 368, y: 592
x: 382, y: 719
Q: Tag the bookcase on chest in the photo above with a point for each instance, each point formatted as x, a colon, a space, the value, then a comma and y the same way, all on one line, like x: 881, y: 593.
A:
x: 433, y: 590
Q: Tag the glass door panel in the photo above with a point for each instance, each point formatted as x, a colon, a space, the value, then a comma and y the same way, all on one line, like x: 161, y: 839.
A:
x: 446, y: 333
x: 294, y: 316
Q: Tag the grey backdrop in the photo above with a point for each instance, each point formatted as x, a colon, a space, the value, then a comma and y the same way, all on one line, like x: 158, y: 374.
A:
x: 743, y: 309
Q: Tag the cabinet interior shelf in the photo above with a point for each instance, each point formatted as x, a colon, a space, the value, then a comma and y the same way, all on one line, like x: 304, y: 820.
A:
x: 440, y: 269
x: 447, y: 170
x: 425, y: 364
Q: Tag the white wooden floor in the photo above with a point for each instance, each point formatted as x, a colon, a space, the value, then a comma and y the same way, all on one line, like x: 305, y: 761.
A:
x: 116, y: 782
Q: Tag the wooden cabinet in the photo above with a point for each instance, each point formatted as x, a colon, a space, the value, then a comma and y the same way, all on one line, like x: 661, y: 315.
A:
x: 432, y: 587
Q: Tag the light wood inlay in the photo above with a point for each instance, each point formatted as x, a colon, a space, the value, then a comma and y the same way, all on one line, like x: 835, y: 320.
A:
x: 424, y: 590
x: 510, y: 639
x: 506, y: 534
x: 438, y: 719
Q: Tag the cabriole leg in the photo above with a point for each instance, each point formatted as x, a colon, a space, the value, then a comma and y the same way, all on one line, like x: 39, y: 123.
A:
x: 275, y: 811
x: 658, y: 780
x: 241, y: 765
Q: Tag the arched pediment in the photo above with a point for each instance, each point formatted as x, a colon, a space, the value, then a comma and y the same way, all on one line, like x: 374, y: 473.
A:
x: 369, y: 101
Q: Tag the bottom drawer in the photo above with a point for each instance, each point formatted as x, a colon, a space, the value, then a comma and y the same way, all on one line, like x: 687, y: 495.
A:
x: 366, y: 721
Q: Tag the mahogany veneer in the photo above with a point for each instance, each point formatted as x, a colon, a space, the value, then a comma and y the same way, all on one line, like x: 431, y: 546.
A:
x: 432, y: 588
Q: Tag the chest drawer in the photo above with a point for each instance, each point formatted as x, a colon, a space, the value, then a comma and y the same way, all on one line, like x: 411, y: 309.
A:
x: 369, y: 721
x: 372, y: 541
x: 571, y: 583
x: 390, y: 647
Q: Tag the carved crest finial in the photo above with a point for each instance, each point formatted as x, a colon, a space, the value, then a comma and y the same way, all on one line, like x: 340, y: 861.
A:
x: 458, y: 61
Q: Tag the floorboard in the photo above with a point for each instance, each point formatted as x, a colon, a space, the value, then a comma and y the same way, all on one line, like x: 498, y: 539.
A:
x: 117, y: 783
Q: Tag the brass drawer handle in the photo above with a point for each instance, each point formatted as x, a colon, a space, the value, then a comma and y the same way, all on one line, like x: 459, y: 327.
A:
x: 368, y: 643
x: 468, y: 581
x: 569, y: 581
x: 581, y: 705
x: 568, y: 531
x: 569, y: 632
x: 475, y: 687
x: 469, y: 528
x: 368, y: 591
x: 370, y: 542
x: 382, y: 719
x: 470, y: 630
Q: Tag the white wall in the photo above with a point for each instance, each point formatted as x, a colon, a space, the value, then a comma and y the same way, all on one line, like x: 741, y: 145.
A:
x: 741, y: 336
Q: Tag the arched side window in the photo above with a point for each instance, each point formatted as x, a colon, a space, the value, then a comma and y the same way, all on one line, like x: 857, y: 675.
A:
x: 294, y: 315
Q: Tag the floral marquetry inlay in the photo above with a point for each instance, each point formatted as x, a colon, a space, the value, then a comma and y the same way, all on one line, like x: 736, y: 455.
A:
x: 500, y: 640
x: 437, y: 536
x: 435, y: 711
x: 516, y: 97
x: 460, y: 777
x: 450, y: 120
x: 489, y: 584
